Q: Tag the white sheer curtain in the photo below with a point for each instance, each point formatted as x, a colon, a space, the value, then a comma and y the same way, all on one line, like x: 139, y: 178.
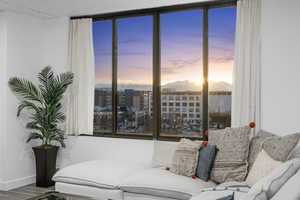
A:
x: 246, y: 102
x: 80, y: 103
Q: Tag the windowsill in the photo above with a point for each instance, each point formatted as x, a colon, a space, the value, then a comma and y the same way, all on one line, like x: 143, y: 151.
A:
x: 162, y: 137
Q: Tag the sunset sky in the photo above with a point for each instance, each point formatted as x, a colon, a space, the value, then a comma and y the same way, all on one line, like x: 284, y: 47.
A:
x: 181, y: 47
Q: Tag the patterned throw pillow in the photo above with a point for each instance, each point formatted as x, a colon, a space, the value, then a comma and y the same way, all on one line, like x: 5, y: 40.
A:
x: 185, y: 158
x: 231, y: 162
x: 295, y: 152
x: 256, y: 146
x: 279, y: 148
x: 206, y: 159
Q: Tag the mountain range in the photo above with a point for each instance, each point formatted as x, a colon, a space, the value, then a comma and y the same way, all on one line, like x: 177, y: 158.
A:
x: 174, y: 86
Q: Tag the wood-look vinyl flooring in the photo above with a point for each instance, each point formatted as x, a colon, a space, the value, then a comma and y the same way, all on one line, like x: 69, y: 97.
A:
x: 24, y: 193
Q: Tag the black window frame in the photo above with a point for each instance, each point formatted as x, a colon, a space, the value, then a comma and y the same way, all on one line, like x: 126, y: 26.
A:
x: 155, y: 13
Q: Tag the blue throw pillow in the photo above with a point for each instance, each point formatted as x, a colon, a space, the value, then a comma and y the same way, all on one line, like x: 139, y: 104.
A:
x: 230, y: 197
x: 206, y: 159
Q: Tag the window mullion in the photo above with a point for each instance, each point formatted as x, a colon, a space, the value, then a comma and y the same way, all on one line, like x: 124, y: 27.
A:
x: 114, y: 75
x: 156, y: 75
x: 205, y: 72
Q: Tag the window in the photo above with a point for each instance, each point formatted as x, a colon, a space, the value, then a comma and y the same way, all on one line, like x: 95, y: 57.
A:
x: 103, y: 71
x: 221, y: 50
x: 180, y: 54
x: 158, y: 74
x: 134, y: 75
x: 191, y: 98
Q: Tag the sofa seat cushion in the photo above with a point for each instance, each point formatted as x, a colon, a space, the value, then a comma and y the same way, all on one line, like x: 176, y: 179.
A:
x: 97, y: 173
x: 224, y: 191
x: 88, y: 191
x: 163, y: 183
x: 134, y: 196
x: 213, y: 195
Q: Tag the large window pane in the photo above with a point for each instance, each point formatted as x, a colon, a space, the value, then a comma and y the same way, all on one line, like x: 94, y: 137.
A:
x: 221, y: 50
x: 181, y: 73
x: 102, y: 32
x: 134, y: 75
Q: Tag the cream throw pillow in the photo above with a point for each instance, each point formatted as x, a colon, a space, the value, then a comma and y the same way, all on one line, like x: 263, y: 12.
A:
x: 262, y: 167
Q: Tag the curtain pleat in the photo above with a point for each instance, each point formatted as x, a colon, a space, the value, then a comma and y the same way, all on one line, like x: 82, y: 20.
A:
x: 246, y: 95
x: 80, y: 102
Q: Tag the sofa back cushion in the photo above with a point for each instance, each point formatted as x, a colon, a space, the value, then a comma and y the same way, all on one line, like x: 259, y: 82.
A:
x: 163, y: 153
x: 279, y: 148
x: 295, y: 153
x: 85, y: 148
x: 256, y: 146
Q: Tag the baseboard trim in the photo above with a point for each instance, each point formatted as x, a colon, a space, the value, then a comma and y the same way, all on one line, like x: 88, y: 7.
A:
x: 16, y: 183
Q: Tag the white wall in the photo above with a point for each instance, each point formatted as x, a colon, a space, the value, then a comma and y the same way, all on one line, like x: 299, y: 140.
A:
x: 55, y: 50
x: 3, y: 96
x: 281, y: 66
x: 32, y: 43
x: 24, y: 44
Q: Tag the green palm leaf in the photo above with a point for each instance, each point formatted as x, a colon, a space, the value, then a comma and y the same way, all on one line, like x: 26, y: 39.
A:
x: 44, y: 103
x: 28, y: 105
x: 25, y: 89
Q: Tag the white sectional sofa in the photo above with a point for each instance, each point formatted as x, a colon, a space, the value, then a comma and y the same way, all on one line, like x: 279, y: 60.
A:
x: 121, y: 169
x: 117, y: 169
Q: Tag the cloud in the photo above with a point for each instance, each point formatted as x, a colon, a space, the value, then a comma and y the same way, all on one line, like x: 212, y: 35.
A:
x: 133, y: 53
x: 221, y: 55
x: 222, y: 59
x: 176, y: 66
x: 181, y: 63
x: 100, y: 52
x: 132, y: 41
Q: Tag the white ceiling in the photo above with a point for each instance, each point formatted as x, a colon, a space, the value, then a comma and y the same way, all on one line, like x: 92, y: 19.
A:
x: 61, y: 8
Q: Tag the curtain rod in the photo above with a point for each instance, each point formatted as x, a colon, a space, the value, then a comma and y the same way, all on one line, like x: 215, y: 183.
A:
x: 159, y: 9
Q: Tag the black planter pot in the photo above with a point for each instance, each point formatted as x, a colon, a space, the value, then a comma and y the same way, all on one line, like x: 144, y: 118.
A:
x: 45, y: 159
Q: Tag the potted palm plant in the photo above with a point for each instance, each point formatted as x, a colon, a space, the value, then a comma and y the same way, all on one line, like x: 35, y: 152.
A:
x: 43, y: 101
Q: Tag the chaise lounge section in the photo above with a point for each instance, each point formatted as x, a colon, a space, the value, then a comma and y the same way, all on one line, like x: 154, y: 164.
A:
x: 119, y: 178
x: 106, y: 168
